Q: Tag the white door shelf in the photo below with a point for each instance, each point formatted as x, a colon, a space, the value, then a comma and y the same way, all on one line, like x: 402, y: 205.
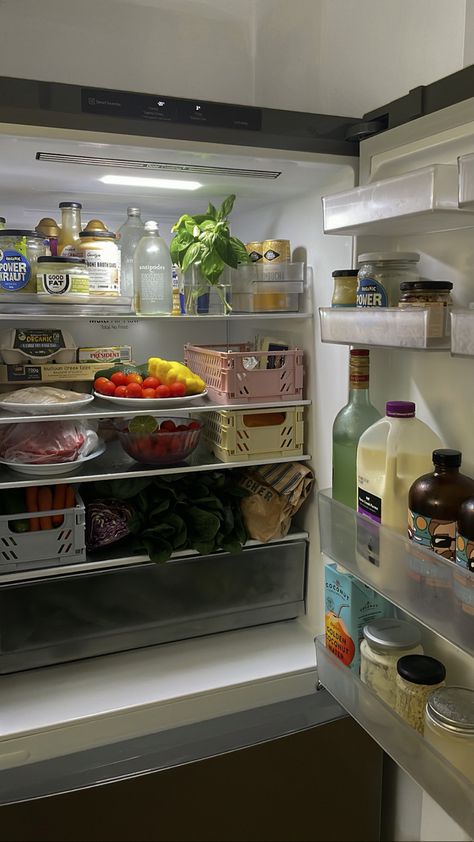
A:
x: 462, y: 333
x: 466, y: 181
x: 384, y: 327
x: 449, y: 788
x: 416, y: 202
x: 436, y: 592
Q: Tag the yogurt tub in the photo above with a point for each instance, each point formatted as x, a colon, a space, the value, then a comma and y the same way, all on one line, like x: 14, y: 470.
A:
x: 62, y: 279
x: 19, y: 252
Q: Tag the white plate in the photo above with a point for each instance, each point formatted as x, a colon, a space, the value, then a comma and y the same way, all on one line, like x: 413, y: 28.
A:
x: 151, y: 403
x: 53, y: 470
x: 46, y: 408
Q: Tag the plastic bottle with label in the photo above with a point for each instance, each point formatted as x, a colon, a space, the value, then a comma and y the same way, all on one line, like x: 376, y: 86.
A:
x: 153, y: 273
x: 71, y: 226
x: 129, y: 235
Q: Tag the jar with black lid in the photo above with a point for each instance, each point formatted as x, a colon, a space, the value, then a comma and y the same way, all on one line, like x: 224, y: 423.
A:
x: 345, y: 288
x: 417, y: 677
x: 434, y: 296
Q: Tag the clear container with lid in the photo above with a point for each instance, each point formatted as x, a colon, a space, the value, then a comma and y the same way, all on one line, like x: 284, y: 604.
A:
x: 62, y: 279
x: 345, y: 288
x: 99, y: 249
x: 380, y: 275
x: 385, y: 641
x: 449, y: 726
x: 434, y: 296
x: 417, y: 677
x: 19, y: 251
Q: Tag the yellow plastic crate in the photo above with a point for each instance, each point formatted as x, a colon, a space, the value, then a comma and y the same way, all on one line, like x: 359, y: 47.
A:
x: 232, y: 436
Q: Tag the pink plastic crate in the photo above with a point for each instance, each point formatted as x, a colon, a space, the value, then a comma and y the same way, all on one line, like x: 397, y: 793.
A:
x: 228, y: 381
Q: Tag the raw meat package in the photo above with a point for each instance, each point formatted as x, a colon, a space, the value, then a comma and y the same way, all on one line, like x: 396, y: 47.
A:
x: 47, y: 442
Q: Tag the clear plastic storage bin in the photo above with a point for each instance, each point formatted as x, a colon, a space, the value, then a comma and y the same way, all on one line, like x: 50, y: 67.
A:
x: 268, y: 288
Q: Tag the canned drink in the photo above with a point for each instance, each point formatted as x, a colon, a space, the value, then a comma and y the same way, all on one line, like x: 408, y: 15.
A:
x: 254, y: 251
x: 276, y: 251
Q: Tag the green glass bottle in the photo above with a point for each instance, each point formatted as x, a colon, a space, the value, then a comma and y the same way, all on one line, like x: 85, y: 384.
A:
x: 352, y: 420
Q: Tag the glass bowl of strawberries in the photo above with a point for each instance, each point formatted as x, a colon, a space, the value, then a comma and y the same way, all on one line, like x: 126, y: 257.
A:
x: 159, y: 441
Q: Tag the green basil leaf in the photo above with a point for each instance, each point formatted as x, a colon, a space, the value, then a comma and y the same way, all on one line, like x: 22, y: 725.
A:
x: 193, y: 253
x: 211, y: 212
x: 212, y: 266
x: 239, y: 250
x: 224, y: 250
x: 227, y: 206
x: 207, y: 225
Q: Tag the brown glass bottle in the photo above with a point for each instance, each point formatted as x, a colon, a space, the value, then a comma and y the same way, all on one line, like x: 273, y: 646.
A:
x: 434, y: 501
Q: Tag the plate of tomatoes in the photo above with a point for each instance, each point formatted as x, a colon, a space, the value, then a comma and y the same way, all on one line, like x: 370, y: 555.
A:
x: 132, y: 389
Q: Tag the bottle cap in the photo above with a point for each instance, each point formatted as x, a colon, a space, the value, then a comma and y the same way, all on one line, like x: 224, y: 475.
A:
x: 98, y: 233
x: 359, y: 352
x: 447, y: 458
x: 400, y: 409
x: 151, y: 225
x: 421, y: 669
x: 70, y: 205
x: 345, y: 273
x: 452, y: 708
x: 48, y: 227
x: 422, y: 286
x: 2, y: 219
x: 388, y: 633
x: 133, y: 211
x: 396, y: 256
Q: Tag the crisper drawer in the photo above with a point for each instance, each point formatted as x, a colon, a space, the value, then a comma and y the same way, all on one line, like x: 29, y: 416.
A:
x: 82, y: 615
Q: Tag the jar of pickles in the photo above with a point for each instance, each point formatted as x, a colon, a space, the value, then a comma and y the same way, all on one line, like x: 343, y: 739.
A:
x: 449, y: 726
x: 385, y: 641
x: 417, y: 677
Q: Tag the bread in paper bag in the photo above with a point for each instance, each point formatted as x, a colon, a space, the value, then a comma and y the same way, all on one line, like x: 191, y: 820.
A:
x: 276, y: 492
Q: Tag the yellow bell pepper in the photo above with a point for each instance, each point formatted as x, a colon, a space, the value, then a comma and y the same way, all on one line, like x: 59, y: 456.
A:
x: 170, y: 371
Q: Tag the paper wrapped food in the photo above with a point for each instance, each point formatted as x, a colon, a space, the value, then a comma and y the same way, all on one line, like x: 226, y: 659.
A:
x: 276, y: 494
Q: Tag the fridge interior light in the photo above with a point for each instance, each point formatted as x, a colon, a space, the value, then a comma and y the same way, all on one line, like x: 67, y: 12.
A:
x: 136, y: 181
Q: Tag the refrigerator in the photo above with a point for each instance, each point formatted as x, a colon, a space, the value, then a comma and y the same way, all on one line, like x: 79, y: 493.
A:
x: 138, y: 684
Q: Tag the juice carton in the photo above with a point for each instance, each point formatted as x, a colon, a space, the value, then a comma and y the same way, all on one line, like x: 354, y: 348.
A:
x: 349, y: 605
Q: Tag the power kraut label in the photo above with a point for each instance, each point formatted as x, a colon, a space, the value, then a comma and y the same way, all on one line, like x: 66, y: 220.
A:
x: 371, y: 293
x: 15, y: 270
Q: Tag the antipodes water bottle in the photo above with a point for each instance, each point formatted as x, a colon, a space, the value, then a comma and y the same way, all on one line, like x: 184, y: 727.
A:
x: 153, y: 273
x: 129, y: 234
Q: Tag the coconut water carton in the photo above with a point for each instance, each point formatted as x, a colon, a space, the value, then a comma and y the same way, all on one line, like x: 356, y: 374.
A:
x: 349, y: 605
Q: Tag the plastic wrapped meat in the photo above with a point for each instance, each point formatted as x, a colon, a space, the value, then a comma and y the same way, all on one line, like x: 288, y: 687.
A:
x: 46, y: 442
x: 41, y: 395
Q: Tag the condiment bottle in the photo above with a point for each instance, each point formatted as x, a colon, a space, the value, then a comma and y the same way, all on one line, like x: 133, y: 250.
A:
x: 465, y: 535
x: 434, y: 501
x: 50, y: 230
x: 68, y: 240
x: 345, y: 288
x: 449, y: 726
x: 385, y: 641
x: 417, y: 677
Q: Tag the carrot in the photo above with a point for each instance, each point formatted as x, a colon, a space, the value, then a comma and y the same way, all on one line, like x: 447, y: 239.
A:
x: 32, y: 506
x: 70, y: 497
x: 59, y: 502
x: 45, y: 503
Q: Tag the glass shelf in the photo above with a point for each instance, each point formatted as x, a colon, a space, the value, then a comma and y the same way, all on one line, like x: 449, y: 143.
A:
x: 59, y: 315
x: 421, y: 201
x: 436, y: 592
x: 104, y: 410
x: 466, y: 181
x: 446, y: 785
x: 462, y: 333
x: 384, y: 327
x: 115, y: 464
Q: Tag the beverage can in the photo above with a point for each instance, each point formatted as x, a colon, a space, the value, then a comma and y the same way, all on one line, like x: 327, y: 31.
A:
x: 254, y: 251
x: 276, y: 251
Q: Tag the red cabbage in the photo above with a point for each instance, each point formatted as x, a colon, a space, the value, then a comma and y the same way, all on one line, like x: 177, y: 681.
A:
x: 107, y: 521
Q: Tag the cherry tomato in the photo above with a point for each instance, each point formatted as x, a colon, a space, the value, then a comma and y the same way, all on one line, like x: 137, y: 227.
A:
x: 104, y: 386
x: 162, y: 391
x: 133, y: 377
x: 120, y: 392
x: 175, y: 444
x: 167, y: 426
x: 182, y: 427
x: 134, y: 390
x: 177, y: 389
x: 151, y: 383
x: 119, y: 378
x: 194, y: 425
x: 148, y: 392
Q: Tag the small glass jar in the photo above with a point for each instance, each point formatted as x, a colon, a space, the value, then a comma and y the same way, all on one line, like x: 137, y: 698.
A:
x: 19, y: 251
x: 380, y: 276
x: 99, y: 249
x: 435, y: 296
x: 62, y: 279
x: 385, y: 641
x: 417, y: 677
x: 449, y: 726
x: 345, y: 288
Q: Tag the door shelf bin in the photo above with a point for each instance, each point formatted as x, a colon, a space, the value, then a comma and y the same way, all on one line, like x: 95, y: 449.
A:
x: 67, y: 618
x: 420, y: 201
x: 466, y: 181
x: 462, y: 333
x: 385, y: 327
x: 436, y: 592
x: 448, y: 786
